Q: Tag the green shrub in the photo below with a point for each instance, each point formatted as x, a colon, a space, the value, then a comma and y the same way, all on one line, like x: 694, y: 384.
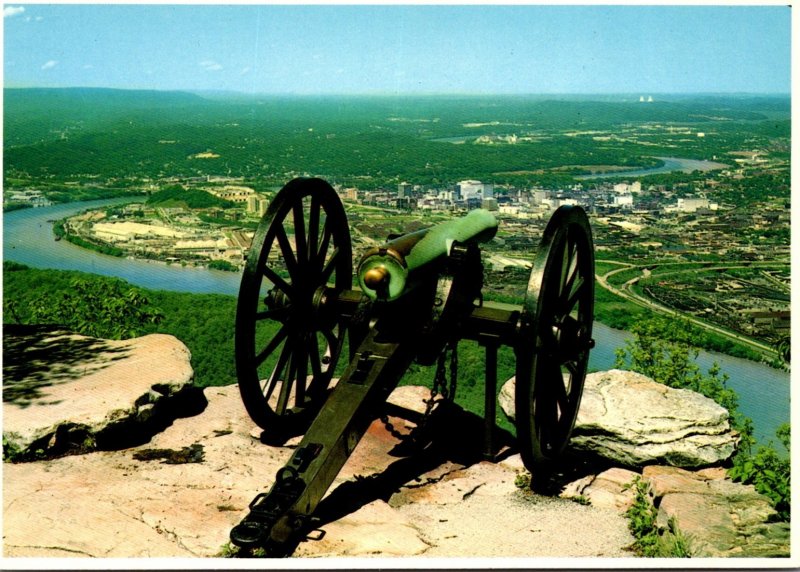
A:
x: 650, y: 540
x: 768, y: 472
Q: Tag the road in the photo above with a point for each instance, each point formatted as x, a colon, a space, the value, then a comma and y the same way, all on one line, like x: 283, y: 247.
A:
x: 626, y: 292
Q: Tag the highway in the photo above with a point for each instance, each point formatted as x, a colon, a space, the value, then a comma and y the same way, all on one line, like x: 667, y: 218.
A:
x: 626, y: 291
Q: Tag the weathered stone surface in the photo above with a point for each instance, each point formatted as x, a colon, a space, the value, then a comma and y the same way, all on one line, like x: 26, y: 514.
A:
x: 108, y: 504
x: 719, y: 517
x: 446, y: 502
x: 182, y: 492
x: 634, y: 421
x: 103, y: 391
x: 609, y: 489
x: 375, y: 530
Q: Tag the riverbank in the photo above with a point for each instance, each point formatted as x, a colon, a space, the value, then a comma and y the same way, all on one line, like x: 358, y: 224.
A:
x: 670, y: 164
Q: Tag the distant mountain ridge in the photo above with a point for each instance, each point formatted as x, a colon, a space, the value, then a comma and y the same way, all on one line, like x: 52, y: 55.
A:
x: 107, y: 96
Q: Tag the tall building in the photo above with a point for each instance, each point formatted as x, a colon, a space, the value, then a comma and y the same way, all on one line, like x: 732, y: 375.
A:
x: 404, y: 191
x: 475, y: 190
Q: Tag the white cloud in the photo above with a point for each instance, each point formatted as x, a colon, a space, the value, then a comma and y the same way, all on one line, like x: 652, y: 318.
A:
x: 10, y: 11
x: 210, y: 65
x: 49, y: 65
x: 245, y: 71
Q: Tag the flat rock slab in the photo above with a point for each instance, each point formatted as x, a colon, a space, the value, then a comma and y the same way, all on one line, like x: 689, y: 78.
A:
x: 63, y: 391
x: 444, y: 501
x: 720, y: 518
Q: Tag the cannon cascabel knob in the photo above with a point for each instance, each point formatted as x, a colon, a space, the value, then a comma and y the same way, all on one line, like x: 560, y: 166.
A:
x: 377, y: 277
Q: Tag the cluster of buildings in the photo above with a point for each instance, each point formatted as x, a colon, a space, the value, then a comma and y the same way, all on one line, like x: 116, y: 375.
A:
x: 27, y: 197
x: 529, y: 203
x: 140, y: 232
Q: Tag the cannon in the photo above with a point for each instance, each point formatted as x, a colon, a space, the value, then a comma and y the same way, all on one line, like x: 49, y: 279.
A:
x: 418, y: 295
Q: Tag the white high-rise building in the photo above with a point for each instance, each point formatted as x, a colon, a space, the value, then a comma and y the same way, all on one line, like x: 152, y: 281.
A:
x: 475, y: 190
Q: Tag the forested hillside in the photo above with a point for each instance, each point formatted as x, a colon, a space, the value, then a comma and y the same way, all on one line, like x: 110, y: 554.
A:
x: 366, y: 140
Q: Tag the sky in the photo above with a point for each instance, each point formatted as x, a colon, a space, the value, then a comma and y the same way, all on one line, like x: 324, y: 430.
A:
x: 400, y: 49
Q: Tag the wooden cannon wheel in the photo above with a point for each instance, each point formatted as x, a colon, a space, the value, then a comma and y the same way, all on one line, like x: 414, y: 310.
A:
x: 286, y: 347
x: 555, y: 338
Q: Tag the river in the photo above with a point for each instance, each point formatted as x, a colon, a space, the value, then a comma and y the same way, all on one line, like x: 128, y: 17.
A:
x: 670, y: 164
x: 28, y: 239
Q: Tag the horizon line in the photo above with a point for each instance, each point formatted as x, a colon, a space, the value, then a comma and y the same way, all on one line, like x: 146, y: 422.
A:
x: 200, y: 91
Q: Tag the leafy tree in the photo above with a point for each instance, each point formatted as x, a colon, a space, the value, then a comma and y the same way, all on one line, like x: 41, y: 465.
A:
x: 99, y: 308
x: 223, y: 265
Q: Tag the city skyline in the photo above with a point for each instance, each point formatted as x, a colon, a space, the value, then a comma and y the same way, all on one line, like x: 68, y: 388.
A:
x: 401, y: 50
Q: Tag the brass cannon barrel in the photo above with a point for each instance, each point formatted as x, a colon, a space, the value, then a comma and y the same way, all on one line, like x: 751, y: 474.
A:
x: 387, y: 272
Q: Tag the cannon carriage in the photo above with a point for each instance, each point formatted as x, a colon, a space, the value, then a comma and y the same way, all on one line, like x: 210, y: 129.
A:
x: 412, y: 299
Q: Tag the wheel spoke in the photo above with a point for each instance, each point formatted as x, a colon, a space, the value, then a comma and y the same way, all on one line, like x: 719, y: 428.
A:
x: 322, y: 253
x: 273, y: 313
x: 301, y: 373
x: 277, y: 281
x: 565, y: 255
x: 321, y: 371
x: 272, y: 345
x: 286, y: 386
x: 572, y: 273
x: 300, y: 233
x: 313, y: 354
x: 277, y: 371
x: 574, y: 295
x: 330, y: 266
x: 313, y: 234
x: 560, y: 390
x: 288, y: 253
x: 548, y: 340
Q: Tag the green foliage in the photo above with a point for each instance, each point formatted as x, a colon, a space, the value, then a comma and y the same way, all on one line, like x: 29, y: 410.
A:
x: 204, y: 322
x: 103, y: 308
x: 768, y: 472
x: 176, y: 195
x: 642, y: 519
x: 223, y: 265
x: 374, y: 141
x: 8, y: 207
x: 523, y: 481
x: 10, y: 451
x: 650, y: 540
x: 617, y: 312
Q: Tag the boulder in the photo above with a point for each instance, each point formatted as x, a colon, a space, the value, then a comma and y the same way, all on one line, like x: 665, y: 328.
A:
x: 64, y: 392
x: 634, y: 421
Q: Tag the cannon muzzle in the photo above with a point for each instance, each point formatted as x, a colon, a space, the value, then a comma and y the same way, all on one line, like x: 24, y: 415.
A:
x: 388, y: 271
